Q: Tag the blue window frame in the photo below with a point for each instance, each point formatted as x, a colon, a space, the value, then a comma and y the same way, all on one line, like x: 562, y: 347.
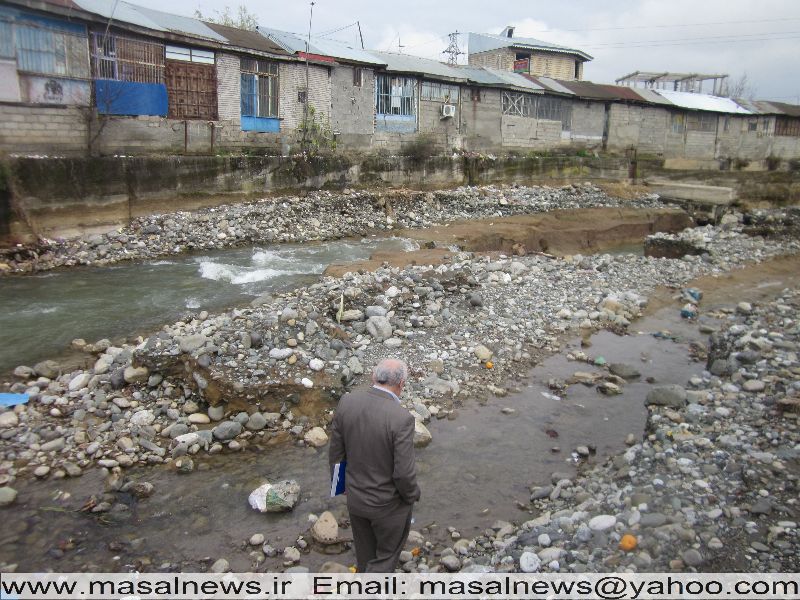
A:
x: 259, y: 92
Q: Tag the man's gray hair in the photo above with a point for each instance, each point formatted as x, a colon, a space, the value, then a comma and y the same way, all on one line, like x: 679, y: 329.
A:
x: 390, y: 371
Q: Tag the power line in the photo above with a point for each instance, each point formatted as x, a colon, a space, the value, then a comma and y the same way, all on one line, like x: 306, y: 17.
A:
x: 731, y: 41
x: 672, y: 26
x: 712, y: 37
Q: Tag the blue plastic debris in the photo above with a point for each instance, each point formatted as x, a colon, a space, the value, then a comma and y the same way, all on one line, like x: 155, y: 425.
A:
x: 692, y: 294
x: 13, y: 399
x: 689, y: 311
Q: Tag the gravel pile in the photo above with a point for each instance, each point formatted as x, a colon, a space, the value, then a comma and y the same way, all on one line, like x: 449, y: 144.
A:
x: 219, y: 382
x: 716, y: 470
x: 317, y: 216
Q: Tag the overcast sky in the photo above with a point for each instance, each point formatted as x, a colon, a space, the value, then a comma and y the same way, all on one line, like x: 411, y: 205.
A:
x: 760, y: 38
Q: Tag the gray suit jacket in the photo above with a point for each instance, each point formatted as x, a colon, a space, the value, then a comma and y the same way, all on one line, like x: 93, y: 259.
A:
x: 376, y: 436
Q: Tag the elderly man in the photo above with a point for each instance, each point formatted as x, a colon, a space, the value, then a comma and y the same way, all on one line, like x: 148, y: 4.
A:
x: 375, y: 435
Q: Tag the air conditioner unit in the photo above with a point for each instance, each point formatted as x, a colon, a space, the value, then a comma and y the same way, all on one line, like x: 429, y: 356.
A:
x: 448, y: 110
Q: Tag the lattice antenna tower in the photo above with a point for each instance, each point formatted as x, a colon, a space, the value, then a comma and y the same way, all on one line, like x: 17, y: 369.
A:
x: 453, y: 51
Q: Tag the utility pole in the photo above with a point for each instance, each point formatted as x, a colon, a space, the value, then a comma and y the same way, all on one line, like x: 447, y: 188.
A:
x: 359, y: 34
x: 452, y: 51
x: 308, y: 95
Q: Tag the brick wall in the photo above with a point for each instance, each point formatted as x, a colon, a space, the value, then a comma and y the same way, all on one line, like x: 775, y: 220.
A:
x: 551, y: 64
x: 502, y: 59
x: 352, y: 106
x: 34, y: 130
x: 547, y: 64
x: 229, y: 87
x: 293, y: 80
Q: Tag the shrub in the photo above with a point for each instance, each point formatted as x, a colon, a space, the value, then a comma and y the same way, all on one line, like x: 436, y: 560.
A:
x: 773, y: 162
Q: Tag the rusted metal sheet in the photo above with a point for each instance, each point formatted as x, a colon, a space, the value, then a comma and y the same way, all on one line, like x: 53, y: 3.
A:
x: 192, y: 89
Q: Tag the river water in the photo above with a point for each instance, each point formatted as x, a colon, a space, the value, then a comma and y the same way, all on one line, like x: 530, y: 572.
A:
x: 476, y: 470
x: 41, y: 314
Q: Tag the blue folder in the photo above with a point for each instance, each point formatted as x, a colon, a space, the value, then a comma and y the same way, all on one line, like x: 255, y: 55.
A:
x: 337, y: 479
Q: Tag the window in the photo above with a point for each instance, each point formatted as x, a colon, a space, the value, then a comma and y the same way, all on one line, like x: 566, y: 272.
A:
x: 678, y: 123
x: 51, y: 51
x: 701, y: 122
x: 191, y: 89
x: 394, y: 95
x: 190, y: 55
x: 552, y: 108
x: 475, y: 94
x: 302, y: 96
x: 358, y: 76
x: 518, y: 104
x: 787, y: 126
x: 439, y: 92
x: 126, y: 59
x: 6, y: 39
x: 259, y: 88
x: 726, y: 123
x: 752, y: 125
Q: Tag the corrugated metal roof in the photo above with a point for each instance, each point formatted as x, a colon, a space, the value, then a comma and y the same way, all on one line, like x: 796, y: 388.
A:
x: 702, y: 102
x: 551, y: 85
x: 247, y: 39
x: 517, y: 80
x: 790, y: 110
x: 483, y: 42
x: 493, y: 77
x: 766, y: 107
x: 587, y: 89
x: 294, y: 43
x: 126, y: 12
x: 650, y: 96
x: 407, y: 63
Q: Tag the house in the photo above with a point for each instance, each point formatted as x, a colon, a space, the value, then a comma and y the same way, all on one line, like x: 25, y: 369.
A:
x: 525, y: 55
x: 342, y: 96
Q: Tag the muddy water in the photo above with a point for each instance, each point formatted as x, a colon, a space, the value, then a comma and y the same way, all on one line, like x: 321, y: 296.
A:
x: 476, y: 470
x: 41, y: 314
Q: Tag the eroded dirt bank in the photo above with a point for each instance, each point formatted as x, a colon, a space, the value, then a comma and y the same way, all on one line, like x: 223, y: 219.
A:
x: 577, y: 231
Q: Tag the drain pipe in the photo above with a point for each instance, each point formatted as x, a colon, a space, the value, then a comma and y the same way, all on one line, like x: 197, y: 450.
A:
x: 185, y: 136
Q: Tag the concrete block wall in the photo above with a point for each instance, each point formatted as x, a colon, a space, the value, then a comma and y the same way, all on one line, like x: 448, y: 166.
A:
x: 352, y: 106
x: 37, y: 130
x: 524, y: 132
x: 700, y: 144
x: 293, y: 80
x: 480, y: 119
x: 431, y: 123
x: 624, y: 122
x: 653, y: 126
x: 588, y: 119
x: 229, y: 87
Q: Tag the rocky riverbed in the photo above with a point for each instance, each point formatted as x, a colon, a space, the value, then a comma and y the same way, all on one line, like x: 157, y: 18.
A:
x: 316, y: 216
x: 468, y: 327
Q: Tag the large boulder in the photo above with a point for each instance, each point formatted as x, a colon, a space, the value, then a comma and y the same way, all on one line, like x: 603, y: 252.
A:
x: 422, y: 437
x: 325, y: 529
x: 227, y: 430
x: 278, y: 497
x: 379, y: 327
x: 673, y: 396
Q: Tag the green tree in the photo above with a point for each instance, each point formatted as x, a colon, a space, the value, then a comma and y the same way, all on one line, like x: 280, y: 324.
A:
x: 243, y: 19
